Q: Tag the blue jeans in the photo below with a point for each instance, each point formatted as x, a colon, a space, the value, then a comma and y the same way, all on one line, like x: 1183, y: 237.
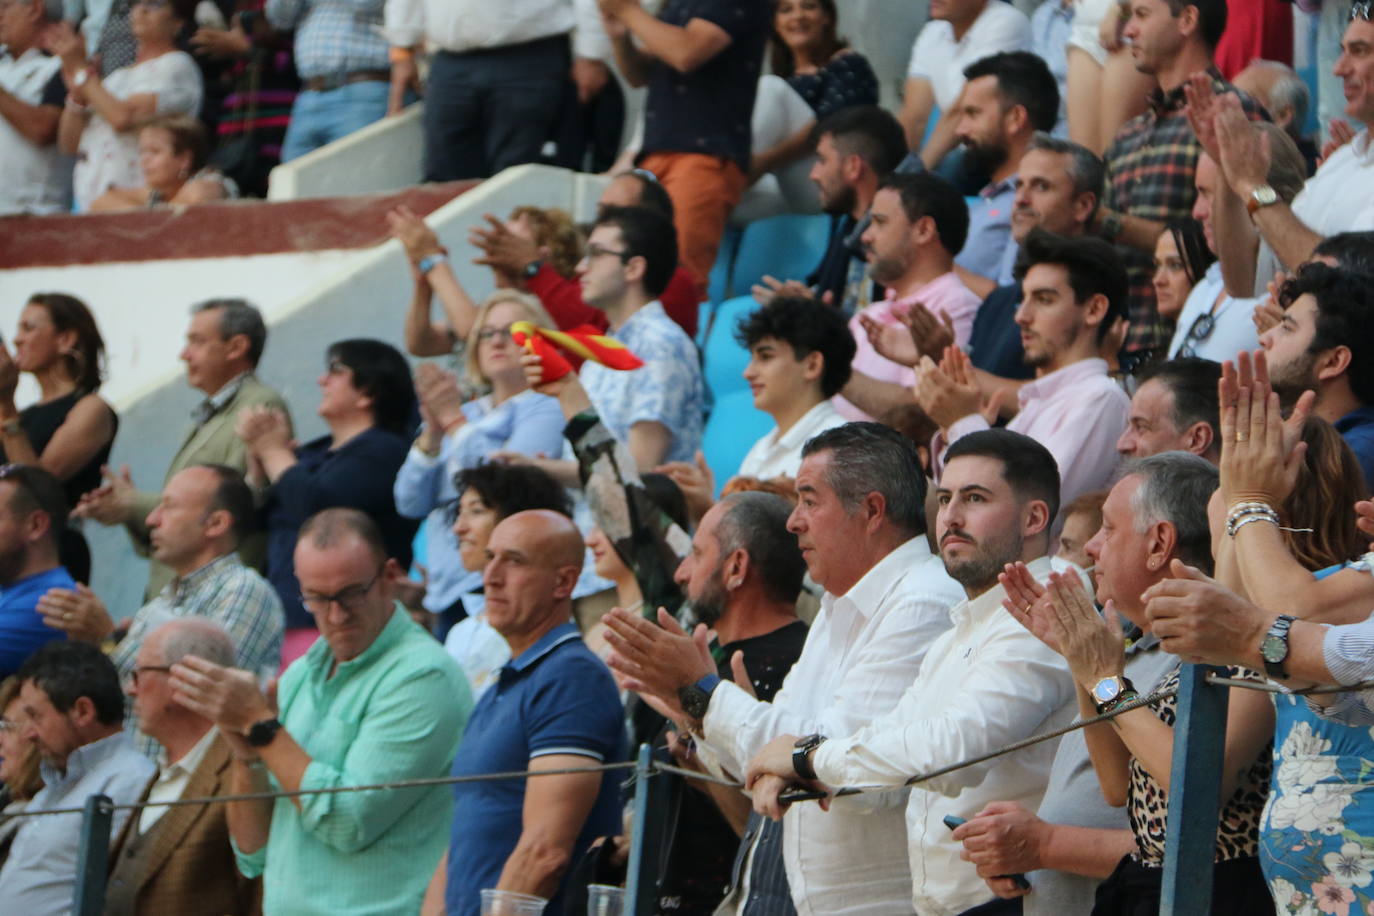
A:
x: 318, y: 118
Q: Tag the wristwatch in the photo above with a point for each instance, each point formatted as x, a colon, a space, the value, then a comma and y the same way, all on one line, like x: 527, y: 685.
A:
x: 1262, y: 196
x: 1111, y: 692
x: 696, y: 698
x: 1112, y: 226
x: 1274, y: 647
x: 531, y: 269
x: 261, y: 734
x: 801, y: 755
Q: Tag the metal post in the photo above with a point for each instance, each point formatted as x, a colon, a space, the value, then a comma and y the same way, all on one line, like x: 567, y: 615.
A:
x: 1194, y: 794
x: 92, y: 859
x: 646, y: 842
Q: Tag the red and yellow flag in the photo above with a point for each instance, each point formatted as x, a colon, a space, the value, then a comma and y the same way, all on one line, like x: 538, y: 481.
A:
x: 583, y: 341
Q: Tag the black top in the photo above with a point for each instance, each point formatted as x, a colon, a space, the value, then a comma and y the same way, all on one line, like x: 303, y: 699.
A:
x: 357, y: 475
x: 845, y: 80
x: 41, y: 421
x: 709, y: 110
x: 994, y: 344
x: 697, y: 871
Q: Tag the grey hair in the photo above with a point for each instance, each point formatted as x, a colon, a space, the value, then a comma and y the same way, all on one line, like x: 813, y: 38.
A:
x: 1288, y: 91
x: 196, y: 636
x: 238, y: 316
x: 1086, y: 170
x: 757, y: 522
x: 1175, y: 488
x: 52, y: 10
x: 867, y: 458
x: 1287, y: 167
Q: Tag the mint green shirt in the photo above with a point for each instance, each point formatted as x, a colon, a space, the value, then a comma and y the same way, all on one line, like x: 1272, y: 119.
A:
x: 395, y: 712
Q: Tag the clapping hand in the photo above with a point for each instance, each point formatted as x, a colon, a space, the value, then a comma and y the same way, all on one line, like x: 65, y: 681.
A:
x: 9, y: 379
x: 770, y: 288
x: 695, y: 480
x: 1093, y: 644
x: 263, y: 429
x: 441, y: 402
x: 1261, y: 453
x: 112, y: 501
x: 79, y: 613
x: 414, y: 234
x: 1029, y: 602
x: 503, y: 251
x: 948, y: 392
x: 655, y: 660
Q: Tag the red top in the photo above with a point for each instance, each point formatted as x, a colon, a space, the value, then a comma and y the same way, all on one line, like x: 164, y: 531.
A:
x: 563, y: 298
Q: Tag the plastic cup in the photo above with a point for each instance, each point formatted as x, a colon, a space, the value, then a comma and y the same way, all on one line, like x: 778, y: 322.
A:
x: 510, y: 903
x: 605, y: 900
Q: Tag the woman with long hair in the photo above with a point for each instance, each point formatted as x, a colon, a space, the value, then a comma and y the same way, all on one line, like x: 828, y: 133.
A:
x: 19, y: 777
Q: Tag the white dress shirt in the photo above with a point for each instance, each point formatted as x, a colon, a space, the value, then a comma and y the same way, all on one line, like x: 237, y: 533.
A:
x: 1233, y: 326
x: 779, y: 454
x: 172, y: 779
x: 863, y: 651
x: 465, y: 25
x: 940, y: 59
x: 989, y: 683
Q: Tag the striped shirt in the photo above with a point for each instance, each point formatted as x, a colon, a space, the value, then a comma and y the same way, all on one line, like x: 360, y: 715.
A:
x: 333, y: 37
x: 224, y: 590
x: 1150, y: 166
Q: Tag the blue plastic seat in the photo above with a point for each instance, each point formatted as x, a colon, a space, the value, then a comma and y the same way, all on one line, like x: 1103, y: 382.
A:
x: 723, y: 359
x: 787, y: 247
x: 733, y: 428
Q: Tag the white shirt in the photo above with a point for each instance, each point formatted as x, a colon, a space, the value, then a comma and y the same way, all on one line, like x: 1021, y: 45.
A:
x: 479, y: 650
x: 779, y: 454
x: 1233, y: 327
x: 989, y: 683
x: 863, y: 651
x: 941, y: 60
x: 37, y: 178
x: 108, y: 159
x: 467, y: 25
x: 1339, y: 198
x: 172, y: 779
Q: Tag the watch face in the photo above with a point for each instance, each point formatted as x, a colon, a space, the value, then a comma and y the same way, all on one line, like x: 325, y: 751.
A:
x: 1107, y: 689
x: 1273, y: 649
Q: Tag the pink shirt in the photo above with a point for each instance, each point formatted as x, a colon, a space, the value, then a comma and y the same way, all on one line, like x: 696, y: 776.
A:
x: 1077, y: 413
x: 945, y: 295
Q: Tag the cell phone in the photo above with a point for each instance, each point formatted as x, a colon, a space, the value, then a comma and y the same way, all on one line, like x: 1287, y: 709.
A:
x: 953, y: 820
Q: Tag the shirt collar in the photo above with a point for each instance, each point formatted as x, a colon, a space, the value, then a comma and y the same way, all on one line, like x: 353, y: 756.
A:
x: 542, y: 647
x: 1164, y: 103
x: 644, y: 315
x: 189, y: 761
x: 990, y: 602
x: 176, y: 590
x: 85, y: 759
x: 1048, y: 386
x: 1360, y: 416
x: 322, y: 658
x: 868, y: 593
x: 215, y: 402
x: 804, y: 428
x: 935, y: 287
x: 994, y: 188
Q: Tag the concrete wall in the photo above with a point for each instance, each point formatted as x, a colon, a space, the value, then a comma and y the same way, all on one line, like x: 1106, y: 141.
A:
x: 384, y: 156
x: 309, y: 300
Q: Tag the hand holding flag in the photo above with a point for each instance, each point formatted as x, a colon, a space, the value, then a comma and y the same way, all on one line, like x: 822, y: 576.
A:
x: 583, y: 341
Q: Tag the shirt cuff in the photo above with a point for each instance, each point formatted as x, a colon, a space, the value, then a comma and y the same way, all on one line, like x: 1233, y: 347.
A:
x: 1348, y: 652
x: 420, y: 458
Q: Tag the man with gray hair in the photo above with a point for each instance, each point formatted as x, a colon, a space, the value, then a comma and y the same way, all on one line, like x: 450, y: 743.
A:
x: 32, y: 93
x: 1285, y: 96
x: 860, y: 523
x: 223, y: 346
x: 179, y: 859
x: 1156, y: 512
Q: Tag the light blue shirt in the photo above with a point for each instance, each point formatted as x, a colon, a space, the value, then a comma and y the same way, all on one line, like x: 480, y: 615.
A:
x: 39, y: 877
x: 667, y: 389
x: 1050, y: 26
x: 989, y: 229
x: 529, y: 423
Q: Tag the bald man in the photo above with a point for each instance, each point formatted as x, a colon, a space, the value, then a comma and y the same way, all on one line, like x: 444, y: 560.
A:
x: 553, y: 707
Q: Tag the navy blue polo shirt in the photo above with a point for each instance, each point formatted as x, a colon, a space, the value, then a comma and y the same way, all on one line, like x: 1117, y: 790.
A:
x: 1357, y: 429
x: 709, y: 110
x: 994, y: 344
x: 556, y: 697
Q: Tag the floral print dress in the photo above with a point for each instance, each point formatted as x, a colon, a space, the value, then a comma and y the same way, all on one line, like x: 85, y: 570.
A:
x: 1317, y: 833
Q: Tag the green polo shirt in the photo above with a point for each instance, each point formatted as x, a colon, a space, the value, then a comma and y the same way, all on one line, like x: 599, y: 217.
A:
x: 395, y: 712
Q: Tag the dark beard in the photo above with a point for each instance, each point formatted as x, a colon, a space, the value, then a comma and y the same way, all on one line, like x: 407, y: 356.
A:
x: 841, y: 203
x: 980, y: 162
x: 709, y: 606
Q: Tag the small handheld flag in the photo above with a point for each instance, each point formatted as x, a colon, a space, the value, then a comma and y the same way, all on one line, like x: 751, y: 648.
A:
x: 583, y: 341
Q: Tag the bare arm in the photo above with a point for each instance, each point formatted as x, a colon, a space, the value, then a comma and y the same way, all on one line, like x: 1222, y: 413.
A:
x: 85, y: 431
x: 250, y: 822
x: 1237, y: 241
x: 555, y: 809
x: 433, y: 904
x: 1289, y: 236
x: 918, y: 100
x: 872, y: 396
x: 122, y: 114
x: 1087, y: 851
x: 1277, y: 582
x: 648, y: 443
x: 1136, y: 231
x: 458, y: 306
x: 70, y: 126
x: 424, y: 337
x: 37, y: 123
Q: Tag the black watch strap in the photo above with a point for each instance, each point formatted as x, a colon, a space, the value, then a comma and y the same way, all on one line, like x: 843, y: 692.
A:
x: 1274, y: 647
x: 261, y: 734
x: 801, y: 755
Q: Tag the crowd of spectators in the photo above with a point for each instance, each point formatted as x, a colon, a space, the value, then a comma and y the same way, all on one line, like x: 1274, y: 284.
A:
x: 1077, y: 394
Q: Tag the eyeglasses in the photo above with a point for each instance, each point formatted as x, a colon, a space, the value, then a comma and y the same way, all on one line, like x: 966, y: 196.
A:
x: 487, y: 334
x: 350, y: 599
x: 1363, y: 10
x: 595, y: 251
x: 335, y: 367
x: 134, y: 675
x: 1201, y: 328
x: 152, y: 4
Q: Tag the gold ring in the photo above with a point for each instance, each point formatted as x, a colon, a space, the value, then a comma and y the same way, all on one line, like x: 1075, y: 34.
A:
x: 1242, y: 437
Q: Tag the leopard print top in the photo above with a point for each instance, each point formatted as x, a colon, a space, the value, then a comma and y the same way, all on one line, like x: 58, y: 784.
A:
x: 1147, y: 803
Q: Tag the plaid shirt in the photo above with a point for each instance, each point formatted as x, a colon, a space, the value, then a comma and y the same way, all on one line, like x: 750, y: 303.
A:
x: 224, y: 590
x: 1149, y: 173
x: 333, y: 37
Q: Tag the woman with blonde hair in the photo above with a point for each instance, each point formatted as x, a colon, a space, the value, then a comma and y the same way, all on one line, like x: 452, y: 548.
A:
x: 456, y: 436
x: 19, y: 777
